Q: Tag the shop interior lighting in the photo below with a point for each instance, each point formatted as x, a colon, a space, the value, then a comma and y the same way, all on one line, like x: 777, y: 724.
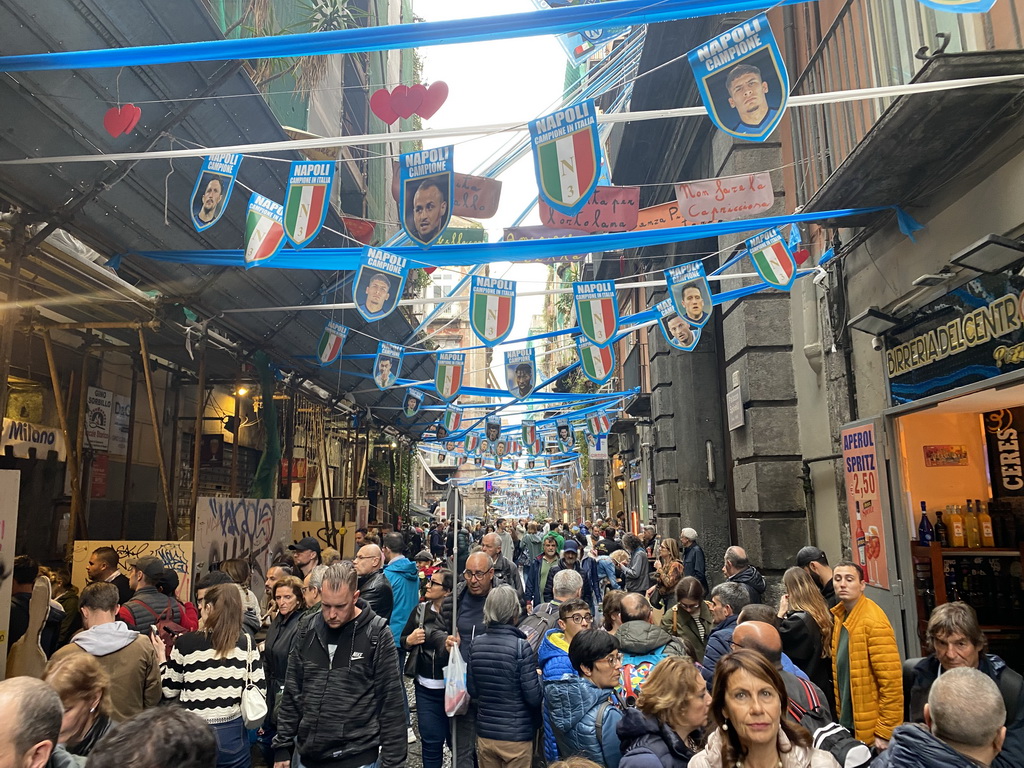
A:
x: 620, y: 483
x: 990, y: 255
x: 873, y: 321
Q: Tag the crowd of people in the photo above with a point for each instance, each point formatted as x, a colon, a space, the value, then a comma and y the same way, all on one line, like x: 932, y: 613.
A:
x: 582, y: 645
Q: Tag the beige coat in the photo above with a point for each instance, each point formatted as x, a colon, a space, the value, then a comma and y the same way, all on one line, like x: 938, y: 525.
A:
x: 793, y: 755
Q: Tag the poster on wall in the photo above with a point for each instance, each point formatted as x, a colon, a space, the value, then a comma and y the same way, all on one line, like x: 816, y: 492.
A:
x: 24, y: 435
x: 120, y: 419
x: 1002, y: 445
x: 177, y: 555
x: 10, y: 482
x: 864, y: 500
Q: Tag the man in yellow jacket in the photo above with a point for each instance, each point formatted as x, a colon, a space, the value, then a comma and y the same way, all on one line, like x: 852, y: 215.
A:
x: 865, y: 661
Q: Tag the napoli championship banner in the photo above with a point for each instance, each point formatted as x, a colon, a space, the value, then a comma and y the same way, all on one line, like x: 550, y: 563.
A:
x: 772, y: 258
x: 387, y: 365
x: 426, y: 193
x: 566, y: 437
x: 492, y: 305
x: 331, y: 342
x: 412, y: 402
x: 598, y: 423
x: 492, y: 429
x: 213, y: 189
x: 448, y: 376
x: 597, y: 310
x: 960, y: 6
x: 690, y: 293
x: 597, y: 363
x: 567, y: 156
x: 378, y: 284
x: 742, y: 79
x: 264, y: 231
x: 529, y: 432
x: 677, y: 332
x: 307, y: 200
x: 521, y: 371
x: 452, y: 418
x: 471, y: 441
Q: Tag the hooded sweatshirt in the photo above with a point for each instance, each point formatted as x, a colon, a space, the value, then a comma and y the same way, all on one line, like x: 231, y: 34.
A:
x: 128, y: 657
x: 641, y: 638
x: 752, y: 579
x: 405, y: 587
x: 553, y: 657
x: 648, y: 743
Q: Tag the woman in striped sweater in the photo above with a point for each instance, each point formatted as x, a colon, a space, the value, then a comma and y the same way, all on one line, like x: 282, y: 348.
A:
x: 207, y: 672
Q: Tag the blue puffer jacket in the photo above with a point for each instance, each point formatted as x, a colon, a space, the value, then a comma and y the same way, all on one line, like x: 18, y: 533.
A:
x: 503, y: 681
x: 718, y: 645
x: 914, y: 747
x: 404, y: 578
x: 553, y: 656
x: 573, y: 704
x: 647, y: 743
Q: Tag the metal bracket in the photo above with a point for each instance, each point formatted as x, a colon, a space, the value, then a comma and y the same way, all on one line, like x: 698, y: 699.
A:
x: 922, y: 52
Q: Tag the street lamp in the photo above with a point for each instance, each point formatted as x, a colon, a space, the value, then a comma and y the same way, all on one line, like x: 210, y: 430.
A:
x: 620, y: 483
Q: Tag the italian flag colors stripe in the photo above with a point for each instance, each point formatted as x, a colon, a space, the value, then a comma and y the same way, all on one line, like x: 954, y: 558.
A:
x: 449, y: 379
x: 264, y: 237
x: 775, y: 264
x: 563, y: 162
x: 597, y: 321
x: 329, y: 347
x: 597, y: 362
x: 306, y: 206
x: 492, y: 314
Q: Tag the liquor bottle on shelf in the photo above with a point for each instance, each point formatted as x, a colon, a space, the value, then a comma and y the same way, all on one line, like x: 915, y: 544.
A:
x: 971, y: 529
x: 988, y: 538
x: 925, y: 532
x: 941, y: 532
x: 956, y: 527
x: 861, y: 539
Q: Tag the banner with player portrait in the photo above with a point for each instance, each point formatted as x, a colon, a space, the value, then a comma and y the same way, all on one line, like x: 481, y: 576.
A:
x: 521, y: 371
x: 307, y: 200
x: 387, y: 365
x: 742, y: 79
x: 492, y: 431
x: 426, y: 193
x: 772, y: 258
x: 597, y: 310
x: 690, y: 293
x: 492, y: 306
x: 378, y: 284
x: 331, y: 342
x: 597, y: 363
x: 566, y: 436
x: 448, y: 375
x: 411, y: 403
x: 264, y: 231
x: 213, y: 189
x: 567, y: 156
x: 677, y: 332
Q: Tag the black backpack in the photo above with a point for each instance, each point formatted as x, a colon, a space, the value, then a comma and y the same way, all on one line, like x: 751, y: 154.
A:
x: 537, y: 624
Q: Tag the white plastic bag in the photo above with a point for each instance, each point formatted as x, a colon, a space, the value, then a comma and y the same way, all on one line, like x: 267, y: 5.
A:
x: 456, y: 695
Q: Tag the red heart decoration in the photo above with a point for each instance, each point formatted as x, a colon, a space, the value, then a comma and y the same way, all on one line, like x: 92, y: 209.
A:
x: 801, y: 255
x: 436, y: 95
x: 405, y: 101
x: 380, y: 104
x: 121, y: 119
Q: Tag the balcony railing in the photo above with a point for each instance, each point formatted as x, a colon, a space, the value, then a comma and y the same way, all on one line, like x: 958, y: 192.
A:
x: 874, y: 43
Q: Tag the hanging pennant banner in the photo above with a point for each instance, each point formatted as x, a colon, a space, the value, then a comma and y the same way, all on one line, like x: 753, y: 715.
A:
x: 307, y: 200
x: 492, y: 306
x: 264, y: 232
x: 521, y: 371
x: 497, y: 462
x: 960, y: 6
x: 597, y: 310
x: 598, y: 423
x: 609, y: 209
x: 452, y: 418
x: 411, y: 404
x: 440, y: 433
x: 500, y: 447
x: 566, y: 438
x: 531, y: 463
x: 426, y: 192
x: 742, y: 79
x: 473, y: 197
x: 677, y: 332
x: 690, y: 293
x: 379, y: 282
x: 529, y: 433
x: 597, y: 363
x: 471, y: 442
x: 567, y: 156
x: 492, y: 429
x: 727, y: 198
x: 448, y: 376
x: 387, y: 365
x: 213, y: 188
x: 331, y: 342
x: 772, y: 258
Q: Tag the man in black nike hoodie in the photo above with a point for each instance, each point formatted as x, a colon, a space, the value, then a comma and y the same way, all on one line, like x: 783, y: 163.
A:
x: 737, y: 568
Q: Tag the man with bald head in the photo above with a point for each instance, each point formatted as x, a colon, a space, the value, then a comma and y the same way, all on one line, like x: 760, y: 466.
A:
x: 373, y: 585
x: 503, y: 567
x: 641, y: 640
x: 31, y: 713
x: 739, y: 570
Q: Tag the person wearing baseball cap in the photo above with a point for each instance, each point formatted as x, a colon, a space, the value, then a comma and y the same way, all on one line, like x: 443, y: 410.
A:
x: 148, y: 605
x: 585, y: 567
x: 815, y: 562
x: 306, y: 555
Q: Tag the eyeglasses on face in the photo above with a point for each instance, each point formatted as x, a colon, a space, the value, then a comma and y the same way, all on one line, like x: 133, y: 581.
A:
x: 582, y: 618
x: 366, y: 557
x: 476, y: 575
x: 612, y: 659
x: 433, y: 583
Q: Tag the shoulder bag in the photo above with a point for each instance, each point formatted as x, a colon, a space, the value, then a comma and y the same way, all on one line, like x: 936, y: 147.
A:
x: 254, y: 703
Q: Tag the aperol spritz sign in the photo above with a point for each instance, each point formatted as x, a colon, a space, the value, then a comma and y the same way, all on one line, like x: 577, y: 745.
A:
x: 867, y: 532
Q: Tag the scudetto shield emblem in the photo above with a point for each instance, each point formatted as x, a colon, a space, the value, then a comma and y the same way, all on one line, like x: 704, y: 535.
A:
x: 772, y: 259
x: 452, y: 418
x: 307, y: 200
x: 597, y: 363
x: 492, y: 304
x: 448, y: 377
x: 331, y: 342
x: 529, y: 432
x: 597, y: 310
x: 567, y: 156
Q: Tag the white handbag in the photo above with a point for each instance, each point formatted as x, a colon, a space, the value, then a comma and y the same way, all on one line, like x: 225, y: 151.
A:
x: 254, y: 703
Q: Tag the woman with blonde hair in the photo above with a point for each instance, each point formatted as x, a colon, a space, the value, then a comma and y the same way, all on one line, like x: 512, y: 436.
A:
x: 668, y: 570
x: 84, y: 689
x: 806, y: 629
x: 667, y: 726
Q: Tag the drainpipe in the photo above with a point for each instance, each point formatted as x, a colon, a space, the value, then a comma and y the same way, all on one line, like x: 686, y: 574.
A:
x: 789, y: 36
x: 805, y: 471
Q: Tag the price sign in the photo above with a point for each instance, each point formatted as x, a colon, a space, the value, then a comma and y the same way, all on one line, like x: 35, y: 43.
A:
x: 867, y: 529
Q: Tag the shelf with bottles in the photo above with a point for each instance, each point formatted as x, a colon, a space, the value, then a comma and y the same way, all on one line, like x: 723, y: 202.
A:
x: 934, y: 549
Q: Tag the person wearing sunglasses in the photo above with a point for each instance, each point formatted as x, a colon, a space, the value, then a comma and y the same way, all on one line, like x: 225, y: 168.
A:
x: 574, y: 616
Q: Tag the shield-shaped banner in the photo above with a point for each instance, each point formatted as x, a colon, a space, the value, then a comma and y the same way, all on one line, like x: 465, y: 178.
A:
x: 598, y: 423
x: 426, y: 192
x: 387, y: 365
x: 411, y: 404
x: 470, y: 443
x: 492, y: 306
x: 529, y: 432
x: 674, y: 327
x: 567, y: 156
x: 452, y: 418
x: 690, y: 293
x: 597, y: 363
x: 379, y: 282
x: 531, y: 463
x: 307, y: 200
x: 492, y: 429
x: 960, y: 6
x: 566, y: 437
x: 264, y: 232
x: 772, y: 258
x: 521, y: 371
x: 213, y: 189
x: 331, y: 342
x: 597, y: 310
x: 742, y: 79
x: 448, y: 376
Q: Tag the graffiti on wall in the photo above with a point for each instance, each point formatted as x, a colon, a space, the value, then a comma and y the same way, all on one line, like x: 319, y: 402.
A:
x: 177, y: 555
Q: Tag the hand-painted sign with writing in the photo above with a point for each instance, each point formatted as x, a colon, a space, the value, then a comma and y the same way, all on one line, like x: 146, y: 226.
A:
x: 387, y: 365
x: 492, y: 304
x: 863, y: 497
x: 379, y: 283
x: 264, y: 230
x: 597, y: 310
x: 426, y: 193
x: 460, y: 235
x: 452, y: 418
x: 567, y: 156
x: 725, y: 199
x: 23, y: 435
x: 661, y: 217
x: 742, y: 79
x: 677, y: 332
x: 772, y: 259
x: 307, y: 200
x: 97, y: 418
x: 690, y: 293
x: 411, y: 404
x: 597, y: 363
x: 609, y: 209
x: 448, y: 375
x: 213, y: 189
x: 512, y: 234
x: 521, y: 371
x: 331, y: 341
